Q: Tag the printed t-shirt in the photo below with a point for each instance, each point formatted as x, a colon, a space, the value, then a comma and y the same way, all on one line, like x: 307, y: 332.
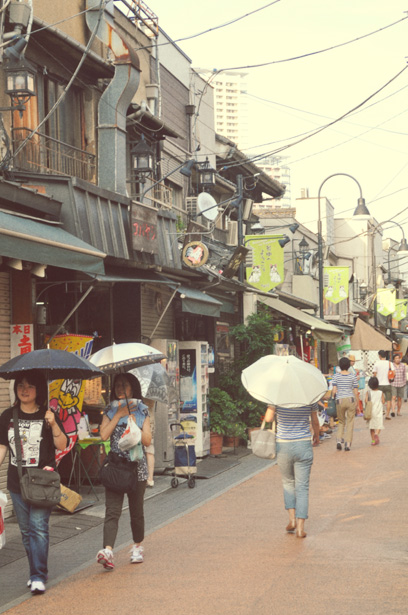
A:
x: 37, y: 443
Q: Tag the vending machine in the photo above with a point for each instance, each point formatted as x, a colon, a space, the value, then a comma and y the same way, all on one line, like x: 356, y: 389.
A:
x: 194, y: 415
x: 166, y: 412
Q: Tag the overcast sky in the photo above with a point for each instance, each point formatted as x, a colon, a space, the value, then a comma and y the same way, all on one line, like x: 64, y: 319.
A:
x: 306, y: 93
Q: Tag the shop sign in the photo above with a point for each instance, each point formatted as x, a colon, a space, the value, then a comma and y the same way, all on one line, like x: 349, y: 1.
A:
x: 21, y: 339
x: 195, y: 254
x: 66, y: 396
x: 144, y: 230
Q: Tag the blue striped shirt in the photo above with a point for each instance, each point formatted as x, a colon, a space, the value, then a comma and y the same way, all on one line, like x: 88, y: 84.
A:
x: 345, y: 384
x: 294, y: 423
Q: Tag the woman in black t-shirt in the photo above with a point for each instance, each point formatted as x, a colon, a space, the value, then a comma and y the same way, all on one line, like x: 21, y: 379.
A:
x: 41, y: 432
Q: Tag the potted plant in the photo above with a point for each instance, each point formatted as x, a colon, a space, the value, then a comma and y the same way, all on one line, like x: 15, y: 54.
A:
x: 224, y: 415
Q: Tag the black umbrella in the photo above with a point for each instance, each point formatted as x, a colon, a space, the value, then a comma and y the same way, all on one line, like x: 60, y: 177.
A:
x: 55, y: 364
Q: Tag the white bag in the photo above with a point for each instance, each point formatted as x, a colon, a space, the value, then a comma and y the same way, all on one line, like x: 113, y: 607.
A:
x: 263, y: 443
x: 131, y: 436
x: 3, y: 502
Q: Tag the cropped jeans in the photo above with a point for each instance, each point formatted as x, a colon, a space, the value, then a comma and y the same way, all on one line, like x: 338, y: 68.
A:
x: 295, y: 463
x: 34, y: 527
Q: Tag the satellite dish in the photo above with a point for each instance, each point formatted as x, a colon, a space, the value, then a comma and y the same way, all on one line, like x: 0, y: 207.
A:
x: 207, y: 205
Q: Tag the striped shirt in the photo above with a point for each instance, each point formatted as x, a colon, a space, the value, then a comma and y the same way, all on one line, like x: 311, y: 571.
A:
x: 345, y: 384
x: 294, y: 423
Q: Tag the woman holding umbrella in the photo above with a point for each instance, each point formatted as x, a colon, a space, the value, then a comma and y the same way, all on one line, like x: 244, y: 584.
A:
x: 41, y: 434
x: 291, y: 388
x: 125, y: 399
x: 294, y: 454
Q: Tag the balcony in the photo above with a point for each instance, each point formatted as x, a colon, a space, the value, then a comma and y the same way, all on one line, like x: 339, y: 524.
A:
x: 44, y: 154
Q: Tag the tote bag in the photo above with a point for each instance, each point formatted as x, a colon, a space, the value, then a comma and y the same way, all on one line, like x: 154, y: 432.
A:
x: 263, y: 443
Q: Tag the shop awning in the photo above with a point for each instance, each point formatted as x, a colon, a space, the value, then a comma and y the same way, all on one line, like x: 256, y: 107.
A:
x: 321, y: 330
x: 365, y: 337
x: 196, y: 302
x: 39, y: 242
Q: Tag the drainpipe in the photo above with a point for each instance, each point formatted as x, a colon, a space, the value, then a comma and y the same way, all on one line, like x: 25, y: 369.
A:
x: 115, y: 100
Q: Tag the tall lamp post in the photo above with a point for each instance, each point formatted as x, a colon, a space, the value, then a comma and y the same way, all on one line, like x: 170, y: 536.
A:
x: 361, y: 210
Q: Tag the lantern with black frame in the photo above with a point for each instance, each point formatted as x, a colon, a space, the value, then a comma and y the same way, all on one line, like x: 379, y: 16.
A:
x: 142, y: 157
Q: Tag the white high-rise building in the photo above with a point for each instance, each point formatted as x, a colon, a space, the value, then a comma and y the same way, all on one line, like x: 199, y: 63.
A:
x: 274, y: 167
x: 230, y: 104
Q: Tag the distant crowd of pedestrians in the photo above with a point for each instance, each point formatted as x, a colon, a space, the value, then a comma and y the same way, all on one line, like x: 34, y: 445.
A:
x: 386, y: 390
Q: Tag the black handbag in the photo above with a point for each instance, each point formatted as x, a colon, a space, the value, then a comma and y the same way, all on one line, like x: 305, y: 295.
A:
x: 118, y: 474
x: 40, y: 488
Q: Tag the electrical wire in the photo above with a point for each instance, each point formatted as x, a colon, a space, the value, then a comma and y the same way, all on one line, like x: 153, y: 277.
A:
x: 313, y: 53
x: 319, y: 130
x: 223, y: 25
x: 101, y: 9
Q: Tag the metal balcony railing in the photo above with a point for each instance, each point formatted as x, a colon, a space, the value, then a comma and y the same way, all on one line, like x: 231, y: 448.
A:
x: 44, y: 154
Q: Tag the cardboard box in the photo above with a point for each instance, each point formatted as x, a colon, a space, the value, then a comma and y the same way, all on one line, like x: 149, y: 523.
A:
x: 69, y: 499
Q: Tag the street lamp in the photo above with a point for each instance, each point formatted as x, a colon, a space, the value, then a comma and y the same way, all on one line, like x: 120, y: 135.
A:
x: 206, y: 174
x: 361, y: 210
x: 258, y: 227
x: 142, y: 160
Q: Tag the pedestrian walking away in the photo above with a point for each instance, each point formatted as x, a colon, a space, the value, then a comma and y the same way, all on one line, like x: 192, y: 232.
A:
x: 398, y: 386
x: 42, y: 434
x: 125, y: 399
x: 376, y: 423
x: 381, y: 369
x: 345, y: 391
x: 294, y: 455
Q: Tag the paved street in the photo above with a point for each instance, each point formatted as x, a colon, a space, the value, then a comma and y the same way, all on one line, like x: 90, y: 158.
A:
x: 222, y: 547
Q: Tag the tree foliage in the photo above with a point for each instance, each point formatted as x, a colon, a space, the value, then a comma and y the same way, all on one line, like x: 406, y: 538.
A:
x: 257, y: 339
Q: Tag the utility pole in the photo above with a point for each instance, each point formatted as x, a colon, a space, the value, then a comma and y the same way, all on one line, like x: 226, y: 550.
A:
x: 240, y: 184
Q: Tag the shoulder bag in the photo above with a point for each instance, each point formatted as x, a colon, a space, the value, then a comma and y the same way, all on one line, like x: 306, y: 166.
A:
x: 263, y: 442
x: 391, y: 373
x: 368, y: 409
x: 40, y: 488
x: 118, y: 474
x: 331, y: 409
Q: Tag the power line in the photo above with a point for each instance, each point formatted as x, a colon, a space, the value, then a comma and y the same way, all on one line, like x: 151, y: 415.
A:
x: 313, y: 53
x: 324, y: 127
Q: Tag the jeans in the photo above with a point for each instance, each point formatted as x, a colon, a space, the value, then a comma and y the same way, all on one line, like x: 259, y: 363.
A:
x: 113, y: 511
x: 295, y: 463
x: 34, y: 527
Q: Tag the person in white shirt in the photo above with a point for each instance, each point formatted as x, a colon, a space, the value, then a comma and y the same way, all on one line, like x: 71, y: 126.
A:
x: 380, y: 370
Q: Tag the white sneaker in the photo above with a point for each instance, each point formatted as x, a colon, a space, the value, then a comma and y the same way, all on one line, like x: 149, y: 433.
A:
x: 150, y: 483
x: 105, y: 557
x: 137, y: 556
x: 37, y: 587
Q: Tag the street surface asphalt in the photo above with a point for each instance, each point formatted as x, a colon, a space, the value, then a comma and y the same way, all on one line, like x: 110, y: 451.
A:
x: 222, y: 547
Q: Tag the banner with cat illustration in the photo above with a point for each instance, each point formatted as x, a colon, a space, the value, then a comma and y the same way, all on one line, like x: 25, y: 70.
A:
x: 335, y: 283
x: 386, y: 301
x: 264, y: 262
x: 400, y: 309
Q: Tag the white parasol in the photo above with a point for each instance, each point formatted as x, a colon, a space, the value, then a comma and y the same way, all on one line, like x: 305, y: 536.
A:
x: 284, y: 381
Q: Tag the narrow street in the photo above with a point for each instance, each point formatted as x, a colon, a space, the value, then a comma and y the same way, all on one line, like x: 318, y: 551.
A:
x: 231, y: 554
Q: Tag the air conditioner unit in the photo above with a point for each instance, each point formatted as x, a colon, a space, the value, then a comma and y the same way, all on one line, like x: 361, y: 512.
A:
x: 191, y: 206
x: 232, y: 234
